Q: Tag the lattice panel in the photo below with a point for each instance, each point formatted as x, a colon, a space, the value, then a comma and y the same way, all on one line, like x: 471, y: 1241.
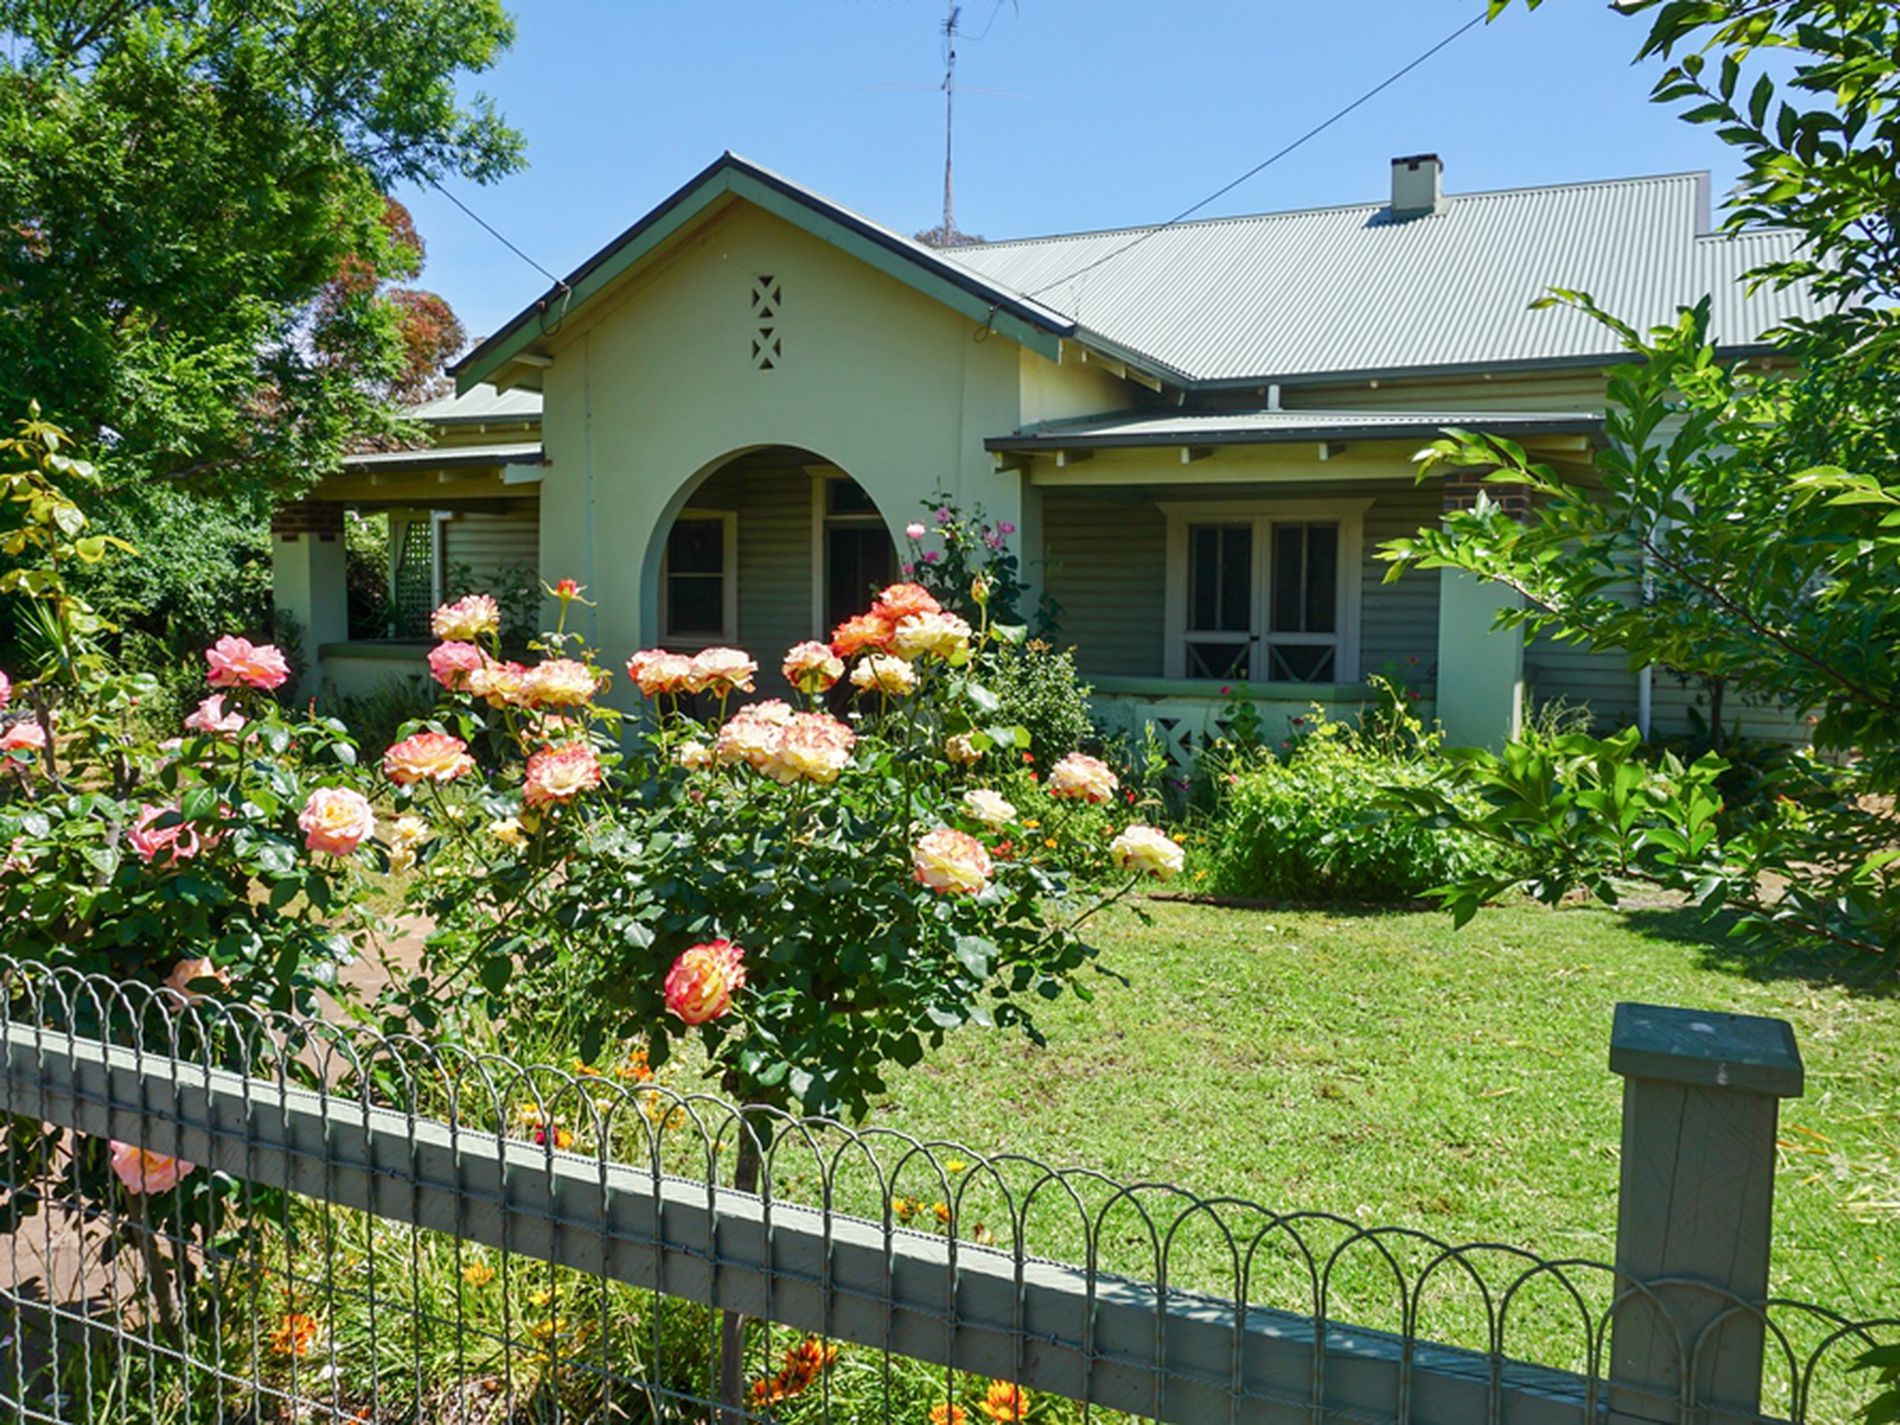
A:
x: 768, y: 343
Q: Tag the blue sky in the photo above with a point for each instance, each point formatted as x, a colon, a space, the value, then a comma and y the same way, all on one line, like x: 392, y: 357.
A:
x: 1106, y: 112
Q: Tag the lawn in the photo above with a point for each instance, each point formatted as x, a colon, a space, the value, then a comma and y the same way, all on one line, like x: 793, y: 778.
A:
x: 1388, y: 1069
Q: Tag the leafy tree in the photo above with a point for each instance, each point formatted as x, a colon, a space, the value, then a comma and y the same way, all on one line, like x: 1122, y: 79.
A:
x: 1759, y: 507
x: 196, y: 249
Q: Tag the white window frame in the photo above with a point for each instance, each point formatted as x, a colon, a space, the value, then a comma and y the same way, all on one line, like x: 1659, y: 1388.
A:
x: 729, y: 558
x: 1349, y: 515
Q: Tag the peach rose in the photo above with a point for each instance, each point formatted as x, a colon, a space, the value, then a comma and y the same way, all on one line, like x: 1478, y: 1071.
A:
x: 177, y: 842
x: 813, y: 748
x: 427, y: 757
x: 693, y: 756
x: 144, y: 1171
x: 990, y: 808
x: 336, y: 820
x: 1144, y: 849
x: 700, y: 986
x: 466, y: 619
x: 900, y: 601
x: 26, y: 736
x: 559, y: 683
x: 187, y: 973
x: 721, y: 672
x: 234, y: 662
x: 888, y: 675
x: 559, y: 774
x: 403, y: 837
x: 752, y: 735
x: 451, y: 664
x: 862, y: 631
x: 1078, y: 777
x: 503, y: 684
x: 655, y: 671
x: 941, y: 635
x: 961, y: 749
x: 812, y: 667
x: 950, y: 861
x: 211, y: 718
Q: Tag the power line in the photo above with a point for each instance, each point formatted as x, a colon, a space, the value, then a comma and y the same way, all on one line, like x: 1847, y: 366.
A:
x: 493, y: 232
x: 1393, y: 78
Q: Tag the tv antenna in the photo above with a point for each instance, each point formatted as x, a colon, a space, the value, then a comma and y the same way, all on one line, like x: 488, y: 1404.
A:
x: 946, y: 233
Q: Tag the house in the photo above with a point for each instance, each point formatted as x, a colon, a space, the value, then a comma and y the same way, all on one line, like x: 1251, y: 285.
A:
x: 721, y: 422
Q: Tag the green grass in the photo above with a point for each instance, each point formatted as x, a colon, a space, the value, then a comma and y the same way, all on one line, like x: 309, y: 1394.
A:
x: 1389, y: 1069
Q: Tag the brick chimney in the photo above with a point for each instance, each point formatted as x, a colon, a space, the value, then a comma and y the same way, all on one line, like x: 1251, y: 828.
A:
x: 1416, y: 186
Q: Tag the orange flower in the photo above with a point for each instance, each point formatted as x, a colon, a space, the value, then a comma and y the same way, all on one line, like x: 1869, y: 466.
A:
x: 804, y: 1363
x: 945, y: 1413
x: 295, y: 1335
x: 900, y: 601
x: 862, y: 631
x: 1006, y: 1403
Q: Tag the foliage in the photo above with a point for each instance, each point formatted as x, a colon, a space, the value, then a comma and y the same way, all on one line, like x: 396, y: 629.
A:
x: 1042, y: 693
x: 516, y: 588
x: 871, y: 907
x: 366, y: 575
x: 972, y: 547
x: 378, y: 717
x: 1311, y: 825
x: 199, y: 251
x: 1711, y: 541
x: 1884, y: 1362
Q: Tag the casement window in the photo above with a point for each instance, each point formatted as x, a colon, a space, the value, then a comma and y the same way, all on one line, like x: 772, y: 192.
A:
x: 1265, y: 592
x: 699, y: 579
x: 854, y: 556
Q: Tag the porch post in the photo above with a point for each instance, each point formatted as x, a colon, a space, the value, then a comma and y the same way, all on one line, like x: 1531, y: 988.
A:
x: 1480, y: 683
x: 309, y: 582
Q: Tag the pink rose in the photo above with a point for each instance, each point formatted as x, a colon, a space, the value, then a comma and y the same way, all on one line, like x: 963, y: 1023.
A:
x: 144, y: 1171
x: 451, y: 663
x: 6, y: 691
x: 336, y: 820
x: 26, y: 736
x: 700, y: 986
x: 914, y: 531
x: 177, y: 842
x: 212, y: 719
x: 234, y: 662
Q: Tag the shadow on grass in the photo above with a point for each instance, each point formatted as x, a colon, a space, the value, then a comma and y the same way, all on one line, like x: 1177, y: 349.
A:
x: 1718, y: 947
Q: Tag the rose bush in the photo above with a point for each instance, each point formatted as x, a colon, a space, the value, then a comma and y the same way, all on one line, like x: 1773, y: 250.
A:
x: 809, y: 897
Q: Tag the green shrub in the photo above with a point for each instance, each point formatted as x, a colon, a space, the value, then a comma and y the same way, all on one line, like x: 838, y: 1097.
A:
x: 1042, y: 693
x: 1312, y: 824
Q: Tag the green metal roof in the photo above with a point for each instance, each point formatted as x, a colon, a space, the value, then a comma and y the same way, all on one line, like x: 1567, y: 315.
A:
x: 1127, y: 429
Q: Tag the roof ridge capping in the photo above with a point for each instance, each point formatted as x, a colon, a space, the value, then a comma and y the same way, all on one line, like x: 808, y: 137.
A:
x: 1700, y: 176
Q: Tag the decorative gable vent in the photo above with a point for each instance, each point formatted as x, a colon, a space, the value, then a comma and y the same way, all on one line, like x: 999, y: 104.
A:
x: 767, y: 346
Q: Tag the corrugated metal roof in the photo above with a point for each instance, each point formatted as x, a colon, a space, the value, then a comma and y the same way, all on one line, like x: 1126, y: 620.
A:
x: 478, y: 404
x: 1135, y: 428
x: 440, y: 457
x: 1281, y: 296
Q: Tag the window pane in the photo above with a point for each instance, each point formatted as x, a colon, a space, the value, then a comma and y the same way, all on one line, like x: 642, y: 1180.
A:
x: 1218, y: 660
x: 695, y: 606
x: 1305, y: 578
x: 696, y: 547
x: 1322, y: 577
x: 1220, y: 578
x: 847, y: 497
x: 858, y: 562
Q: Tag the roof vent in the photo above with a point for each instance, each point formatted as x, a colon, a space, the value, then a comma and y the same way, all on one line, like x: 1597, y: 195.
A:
x: 1416, y: 187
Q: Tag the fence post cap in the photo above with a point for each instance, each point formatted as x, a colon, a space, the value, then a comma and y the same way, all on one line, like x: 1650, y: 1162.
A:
x: 1706, y: 1047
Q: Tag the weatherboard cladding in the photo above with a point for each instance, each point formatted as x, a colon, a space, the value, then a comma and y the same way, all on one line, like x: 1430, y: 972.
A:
x: 1131, y: 428
x: 1348, y: 290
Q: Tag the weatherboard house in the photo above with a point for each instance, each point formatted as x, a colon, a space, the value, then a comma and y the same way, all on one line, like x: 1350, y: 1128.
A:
x: 722, y: 422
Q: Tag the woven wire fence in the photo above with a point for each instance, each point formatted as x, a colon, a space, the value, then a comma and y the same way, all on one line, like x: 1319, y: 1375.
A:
x: 382, y: 1229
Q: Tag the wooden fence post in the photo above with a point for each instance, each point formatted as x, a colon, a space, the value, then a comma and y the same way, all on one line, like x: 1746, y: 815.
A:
x: 1701, y: 1093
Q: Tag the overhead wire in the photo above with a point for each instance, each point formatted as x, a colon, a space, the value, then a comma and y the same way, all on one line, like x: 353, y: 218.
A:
x: 1146, y: 233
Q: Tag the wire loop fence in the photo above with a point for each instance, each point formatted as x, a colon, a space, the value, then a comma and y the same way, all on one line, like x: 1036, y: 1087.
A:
x: 387, y: 1229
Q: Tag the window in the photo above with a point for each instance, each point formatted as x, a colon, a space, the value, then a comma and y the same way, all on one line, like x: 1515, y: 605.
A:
x: 1264, y: 592
x: 857, y: 557
x: 699, y: 579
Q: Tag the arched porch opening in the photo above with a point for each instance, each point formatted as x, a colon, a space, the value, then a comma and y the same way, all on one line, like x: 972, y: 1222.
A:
x: 766, y: 548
